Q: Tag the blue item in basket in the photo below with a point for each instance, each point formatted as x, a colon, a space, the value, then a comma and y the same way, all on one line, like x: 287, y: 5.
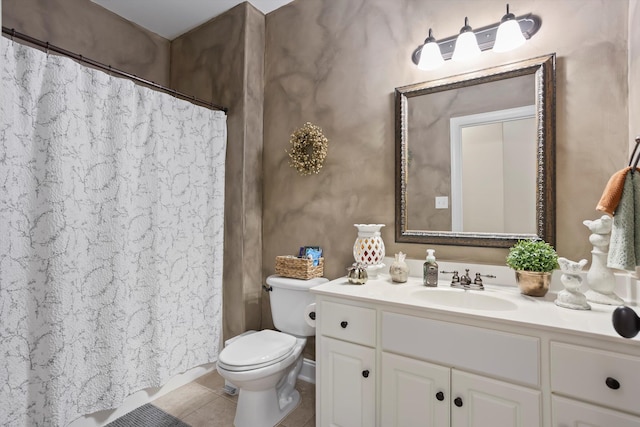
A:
x: 314, y: 254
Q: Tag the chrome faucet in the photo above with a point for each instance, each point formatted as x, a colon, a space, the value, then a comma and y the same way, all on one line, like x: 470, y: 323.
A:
x: 465, y: 282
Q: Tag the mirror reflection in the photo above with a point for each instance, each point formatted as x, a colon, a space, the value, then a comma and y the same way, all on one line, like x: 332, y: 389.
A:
x: 475, y: 157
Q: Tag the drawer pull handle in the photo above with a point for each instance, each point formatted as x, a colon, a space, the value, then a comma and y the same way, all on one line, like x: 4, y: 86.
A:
x: 626, y: 322
x: 612, y: 383
x: 344, y: 324
x: 440, y: 396
x: 458, y: 402
x: 365, y: 373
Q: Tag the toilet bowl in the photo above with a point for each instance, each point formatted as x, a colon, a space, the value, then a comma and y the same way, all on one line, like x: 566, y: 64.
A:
x: 264, y: 365
x: 267, y: 383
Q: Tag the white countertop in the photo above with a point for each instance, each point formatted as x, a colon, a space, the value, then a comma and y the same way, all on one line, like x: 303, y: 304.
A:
x: 522, y: 310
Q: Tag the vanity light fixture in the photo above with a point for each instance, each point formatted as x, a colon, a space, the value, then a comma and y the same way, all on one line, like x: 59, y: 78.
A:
x: 509, y: 34
x: 495, y: 36
x: 466, y: 44
x: 430, y: 57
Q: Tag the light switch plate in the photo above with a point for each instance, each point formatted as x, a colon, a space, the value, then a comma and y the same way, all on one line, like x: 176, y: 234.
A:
x: 442, y: 202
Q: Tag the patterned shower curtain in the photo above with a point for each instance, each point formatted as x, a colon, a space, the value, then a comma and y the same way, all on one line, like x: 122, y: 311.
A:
x: 111, y: 228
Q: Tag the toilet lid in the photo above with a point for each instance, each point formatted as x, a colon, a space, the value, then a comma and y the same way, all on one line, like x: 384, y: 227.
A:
x: 258, y: 349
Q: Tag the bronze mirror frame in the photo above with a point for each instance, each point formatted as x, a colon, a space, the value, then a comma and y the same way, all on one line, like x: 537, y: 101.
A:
x: 543, y: 68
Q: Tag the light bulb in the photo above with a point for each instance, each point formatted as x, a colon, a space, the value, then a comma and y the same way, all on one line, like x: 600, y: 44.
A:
x: 430, y: 54
x: 466, y: 44
x: 509, y: 34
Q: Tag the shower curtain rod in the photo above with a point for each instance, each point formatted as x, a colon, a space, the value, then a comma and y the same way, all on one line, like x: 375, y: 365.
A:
x: 12, y: 33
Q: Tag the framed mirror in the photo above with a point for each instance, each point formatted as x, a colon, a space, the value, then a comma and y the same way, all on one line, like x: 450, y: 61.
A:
x: 475, y: 157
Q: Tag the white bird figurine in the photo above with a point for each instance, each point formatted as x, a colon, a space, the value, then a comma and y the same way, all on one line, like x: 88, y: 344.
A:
x: 568, y: 266
x: 600, y: 226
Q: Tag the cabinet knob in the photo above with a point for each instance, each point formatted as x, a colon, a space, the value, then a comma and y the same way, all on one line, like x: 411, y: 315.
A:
x: 344, y: 324
x: 312, y: 315
x: 612, y: 383
x: 626, y: 322
x: 365, y: 373
x: 458, y: 402
x: 440, y: 396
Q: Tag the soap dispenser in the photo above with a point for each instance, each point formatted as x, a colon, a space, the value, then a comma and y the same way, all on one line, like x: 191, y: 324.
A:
x: 430, y: 270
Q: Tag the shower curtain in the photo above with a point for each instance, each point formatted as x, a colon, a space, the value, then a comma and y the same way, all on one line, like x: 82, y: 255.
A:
x: 111, y: 227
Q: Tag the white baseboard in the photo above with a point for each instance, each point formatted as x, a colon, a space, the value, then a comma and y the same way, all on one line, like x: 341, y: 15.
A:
x: 308, y: 371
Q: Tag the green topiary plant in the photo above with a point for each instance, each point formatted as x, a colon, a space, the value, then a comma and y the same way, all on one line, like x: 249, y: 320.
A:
x: 532, y: 255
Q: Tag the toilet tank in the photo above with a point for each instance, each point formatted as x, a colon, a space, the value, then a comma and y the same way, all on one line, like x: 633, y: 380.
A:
x: 289, y: 298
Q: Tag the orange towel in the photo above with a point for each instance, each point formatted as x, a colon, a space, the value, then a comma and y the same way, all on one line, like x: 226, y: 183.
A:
x: 613, y: 192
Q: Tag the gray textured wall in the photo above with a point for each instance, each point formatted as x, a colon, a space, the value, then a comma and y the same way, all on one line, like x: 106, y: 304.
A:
x: 336, y: 64
x: 85, y: 28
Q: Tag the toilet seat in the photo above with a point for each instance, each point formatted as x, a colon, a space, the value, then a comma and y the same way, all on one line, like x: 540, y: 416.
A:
x: 256, y: 350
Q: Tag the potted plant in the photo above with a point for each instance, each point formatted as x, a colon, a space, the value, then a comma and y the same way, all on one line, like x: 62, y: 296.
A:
x: 533, y: 261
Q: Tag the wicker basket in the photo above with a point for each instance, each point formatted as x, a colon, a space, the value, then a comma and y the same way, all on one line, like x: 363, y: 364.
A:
x: 298, y: 268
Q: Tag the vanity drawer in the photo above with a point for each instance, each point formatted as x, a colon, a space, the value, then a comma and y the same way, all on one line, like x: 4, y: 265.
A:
x: 495, y: 353
x: 348, y: 323
x: 590, y: 374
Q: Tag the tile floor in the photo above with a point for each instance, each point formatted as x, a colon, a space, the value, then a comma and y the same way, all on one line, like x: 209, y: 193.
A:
x: 202, y: 403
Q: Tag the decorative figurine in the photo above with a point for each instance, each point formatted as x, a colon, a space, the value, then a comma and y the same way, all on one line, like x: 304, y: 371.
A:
x: 600, y: 278
x: 357, y: 274
x: 399, y: 270
x: 571, y: 297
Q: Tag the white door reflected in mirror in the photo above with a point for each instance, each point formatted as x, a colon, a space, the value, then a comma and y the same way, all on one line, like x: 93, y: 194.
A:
x: 493, y: 171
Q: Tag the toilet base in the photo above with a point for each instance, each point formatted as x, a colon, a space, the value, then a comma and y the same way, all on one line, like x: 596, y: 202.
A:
x: 267, y: 394
x: 261, y: 408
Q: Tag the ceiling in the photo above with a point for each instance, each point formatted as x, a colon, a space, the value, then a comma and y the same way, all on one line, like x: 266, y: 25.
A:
x: 171, y: 18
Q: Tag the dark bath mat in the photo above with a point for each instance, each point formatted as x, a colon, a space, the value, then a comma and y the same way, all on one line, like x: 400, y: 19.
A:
x: 147, y: 416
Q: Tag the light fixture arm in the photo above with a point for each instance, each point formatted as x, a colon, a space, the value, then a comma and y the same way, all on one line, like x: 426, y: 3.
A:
x: 529, y: 24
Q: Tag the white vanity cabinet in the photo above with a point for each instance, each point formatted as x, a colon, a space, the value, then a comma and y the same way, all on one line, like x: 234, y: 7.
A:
x: 347, y: 369
x: 415, y: 392
x: 598, y: 377
x: 418, y: 393
x: 388, y: 359
x: 363, y: 349
x: 348, y: 380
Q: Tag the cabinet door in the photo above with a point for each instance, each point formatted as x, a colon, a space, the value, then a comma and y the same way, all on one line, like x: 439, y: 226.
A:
x: 571, y: 413
x: 414, y: 393
x: 479, y: 402
x: 347, y: 384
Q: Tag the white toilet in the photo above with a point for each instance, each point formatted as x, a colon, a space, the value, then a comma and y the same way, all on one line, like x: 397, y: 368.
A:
x: 264, y: 365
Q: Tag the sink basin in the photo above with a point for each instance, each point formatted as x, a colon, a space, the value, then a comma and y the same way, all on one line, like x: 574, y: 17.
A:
x: 472, y: 300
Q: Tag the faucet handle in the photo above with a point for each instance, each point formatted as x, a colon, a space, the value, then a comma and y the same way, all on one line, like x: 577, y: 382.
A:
x: 455, y: 278
x: 477, y: 282
x: 478, y: 279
